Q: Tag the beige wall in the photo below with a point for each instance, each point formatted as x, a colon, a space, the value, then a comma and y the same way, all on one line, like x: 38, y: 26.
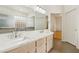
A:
x: 53, y: 23
x: 56, y: 22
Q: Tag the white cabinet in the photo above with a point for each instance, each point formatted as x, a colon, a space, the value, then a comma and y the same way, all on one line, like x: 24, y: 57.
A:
x: 41, y: 45
x: 45, y: 44
x: 49, y: 42
x: 25, y: 48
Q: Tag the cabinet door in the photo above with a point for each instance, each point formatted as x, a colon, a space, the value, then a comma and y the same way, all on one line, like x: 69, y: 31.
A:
x: 41, y: 45
x: 31, y: 47
x: 49, y: 42
x: 26, y: 48
x: 21, y: 49
x: 41, y: 49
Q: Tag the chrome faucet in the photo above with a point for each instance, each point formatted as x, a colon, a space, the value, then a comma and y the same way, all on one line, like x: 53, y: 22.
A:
x: 41, y: 31
x: 15, y: 34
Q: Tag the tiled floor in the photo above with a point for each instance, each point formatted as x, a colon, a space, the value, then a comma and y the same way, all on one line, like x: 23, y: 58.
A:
x: 64, y: 47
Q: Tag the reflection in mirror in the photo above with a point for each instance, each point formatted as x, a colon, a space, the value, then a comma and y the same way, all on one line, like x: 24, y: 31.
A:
x: 21, y: 18
x: 16, y: 17
x: 41, y: 21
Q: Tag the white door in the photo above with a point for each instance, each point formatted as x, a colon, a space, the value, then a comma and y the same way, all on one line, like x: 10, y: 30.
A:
x: 70, y: 27
x: 77, y: 28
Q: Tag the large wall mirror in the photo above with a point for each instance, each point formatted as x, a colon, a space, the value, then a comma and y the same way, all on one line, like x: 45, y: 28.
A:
x: 41, y: 21
x: 21, y: 18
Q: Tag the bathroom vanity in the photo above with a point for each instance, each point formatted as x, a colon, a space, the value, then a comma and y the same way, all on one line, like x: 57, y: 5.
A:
x: 24, y: 31
x: 39, y: 41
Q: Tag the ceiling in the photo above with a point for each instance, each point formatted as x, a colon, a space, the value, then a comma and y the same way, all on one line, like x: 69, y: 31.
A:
x: 18, y: 10
x: 24, y: 10
x: 52, y: 8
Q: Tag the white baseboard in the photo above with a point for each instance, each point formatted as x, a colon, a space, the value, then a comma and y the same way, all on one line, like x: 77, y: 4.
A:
x: 70, y: 43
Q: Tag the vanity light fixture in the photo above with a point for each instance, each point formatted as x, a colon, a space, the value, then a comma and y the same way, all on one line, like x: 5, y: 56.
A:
x: 38, y: 9
x: 18, y: 17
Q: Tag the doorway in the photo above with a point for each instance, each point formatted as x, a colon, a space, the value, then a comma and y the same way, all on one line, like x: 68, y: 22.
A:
x: 56, y: 21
